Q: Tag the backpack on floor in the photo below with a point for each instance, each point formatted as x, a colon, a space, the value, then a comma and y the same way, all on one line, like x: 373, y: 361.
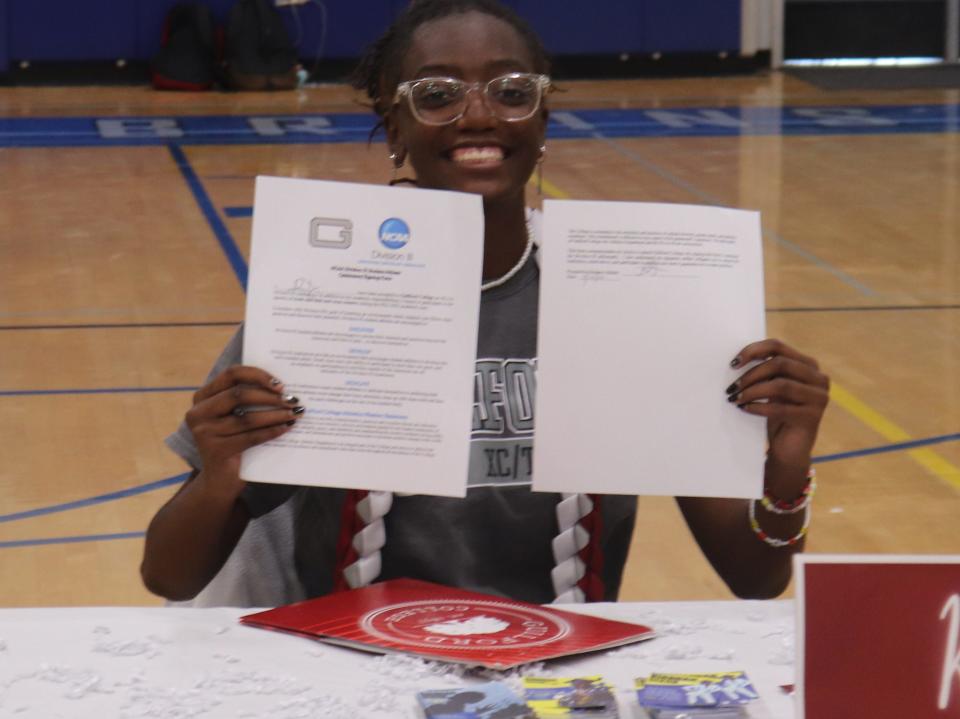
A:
x: 258, y: 53
x: 188, y: 57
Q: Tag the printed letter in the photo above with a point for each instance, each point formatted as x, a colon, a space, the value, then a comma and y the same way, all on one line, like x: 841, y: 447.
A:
x: 843, y: 117
x: 951, y: 659
x: 280, y: 126
x: 692, y: 118
x: 121, y: 129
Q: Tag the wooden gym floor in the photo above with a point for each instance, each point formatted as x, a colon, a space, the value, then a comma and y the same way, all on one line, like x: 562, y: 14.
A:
x: 120, y: 279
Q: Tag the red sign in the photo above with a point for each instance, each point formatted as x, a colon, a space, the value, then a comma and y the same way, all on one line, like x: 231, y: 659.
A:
x: 879, y: 636
x: 454, y: 625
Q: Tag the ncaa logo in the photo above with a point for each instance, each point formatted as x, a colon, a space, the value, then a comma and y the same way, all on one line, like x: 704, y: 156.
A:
x: 394, y: 233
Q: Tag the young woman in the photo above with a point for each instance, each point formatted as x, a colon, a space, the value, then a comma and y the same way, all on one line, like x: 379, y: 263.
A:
x: 459, y: 86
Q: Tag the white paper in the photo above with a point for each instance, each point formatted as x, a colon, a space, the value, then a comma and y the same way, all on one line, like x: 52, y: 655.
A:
x: 642, y: 307
x: 373, y: 325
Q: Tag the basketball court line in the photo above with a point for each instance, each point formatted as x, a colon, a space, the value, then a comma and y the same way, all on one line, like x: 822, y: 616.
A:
x: 118, y: 326
x: 873, y: 419
x: 708, y: 121
x: 97, y: 499
x: 20, y: 543
x: 866, y: 308
x: 234, y: 323
x: 910, y: 446
x: 896, y: 447
x: 889, y: 430
x: 112, y: 311
x: 96, y: 390
x: 227, y: 244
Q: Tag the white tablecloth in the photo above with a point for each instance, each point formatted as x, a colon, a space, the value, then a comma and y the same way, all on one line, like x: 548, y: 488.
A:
x: 120, y: 663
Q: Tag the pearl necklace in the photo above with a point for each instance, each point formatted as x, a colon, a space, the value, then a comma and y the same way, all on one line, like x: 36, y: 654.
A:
x: 515, y: 269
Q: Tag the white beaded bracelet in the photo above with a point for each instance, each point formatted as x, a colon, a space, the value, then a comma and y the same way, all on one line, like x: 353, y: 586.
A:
x: 773, y: 541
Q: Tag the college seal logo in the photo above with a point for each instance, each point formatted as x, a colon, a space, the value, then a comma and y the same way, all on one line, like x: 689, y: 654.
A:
x: 394, y: 233
x: 465, y: 624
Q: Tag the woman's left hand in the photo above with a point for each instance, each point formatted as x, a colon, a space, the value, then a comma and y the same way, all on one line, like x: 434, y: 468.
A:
x: 787, y: 388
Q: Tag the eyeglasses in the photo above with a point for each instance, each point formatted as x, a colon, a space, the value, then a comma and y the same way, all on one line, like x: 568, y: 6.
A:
x: 442, y: 100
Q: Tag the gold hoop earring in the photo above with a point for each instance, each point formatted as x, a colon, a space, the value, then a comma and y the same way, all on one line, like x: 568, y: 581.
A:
x: 543, y: 152
x: 397, y: 159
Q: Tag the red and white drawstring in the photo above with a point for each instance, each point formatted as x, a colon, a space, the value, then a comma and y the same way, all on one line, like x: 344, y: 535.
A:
x: 576, y: 549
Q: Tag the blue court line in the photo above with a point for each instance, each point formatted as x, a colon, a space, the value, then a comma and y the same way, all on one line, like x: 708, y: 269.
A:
x: 103, y: 390
x: 98, y: 499
x: 235, y: 323
x: 119, y: 326
x: 340, y: 127
x: 121, y: 494
x: 898, y: 447
x: 867, y: 308
x: 238, y: 211
x: 17, y: 543
x: 223, y: 235
x: 151, y: 486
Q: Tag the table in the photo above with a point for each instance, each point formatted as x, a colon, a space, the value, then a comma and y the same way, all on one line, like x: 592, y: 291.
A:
x: 125, y: 663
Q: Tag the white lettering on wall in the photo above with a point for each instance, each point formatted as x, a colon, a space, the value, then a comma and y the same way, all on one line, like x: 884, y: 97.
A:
x: 568, y: 119
x: 121, y: 129
x: 692, y: 118
x: 843, y: 117
x: 951, y: 658
x: 280, y: 126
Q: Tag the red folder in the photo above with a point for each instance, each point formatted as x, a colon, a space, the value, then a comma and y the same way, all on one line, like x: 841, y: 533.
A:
x: 446, y: 624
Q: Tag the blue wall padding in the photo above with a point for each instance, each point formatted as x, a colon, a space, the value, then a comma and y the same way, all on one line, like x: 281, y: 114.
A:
x: 351, y: 26
x: 691, y: 25
x: 577, y: 28
x: 4, y: 33
x: 57, y: 30
x: 91, y: 30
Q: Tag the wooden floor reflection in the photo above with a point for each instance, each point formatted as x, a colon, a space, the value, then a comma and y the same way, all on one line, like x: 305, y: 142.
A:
x: 115, y: 296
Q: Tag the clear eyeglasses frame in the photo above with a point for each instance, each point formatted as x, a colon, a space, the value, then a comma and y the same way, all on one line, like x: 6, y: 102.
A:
x: 443, y: 100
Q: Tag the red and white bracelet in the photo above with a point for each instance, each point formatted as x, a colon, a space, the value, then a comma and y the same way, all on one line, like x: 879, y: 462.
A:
x: 773, y: 541
x: 782, y: 506
x: 779, y: 506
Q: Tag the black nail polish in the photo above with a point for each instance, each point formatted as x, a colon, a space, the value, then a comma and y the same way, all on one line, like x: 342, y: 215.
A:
x: 274, y: 381
x: 735, y: 362
x: 290, y: 398
x: 732, y: 388
x: 734, y: 397
x: 291, y: 422
x: 298, y: 410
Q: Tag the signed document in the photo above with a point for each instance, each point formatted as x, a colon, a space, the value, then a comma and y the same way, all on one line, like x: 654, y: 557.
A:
x: 632, y: 400
x: 364, y: 300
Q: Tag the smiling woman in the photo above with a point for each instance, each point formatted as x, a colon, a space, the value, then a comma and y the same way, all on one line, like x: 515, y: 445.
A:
x: 460, y: 87
x: 474, y: 77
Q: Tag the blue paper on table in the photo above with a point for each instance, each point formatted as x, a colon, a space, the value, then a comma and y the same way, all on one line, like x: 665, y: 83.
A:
x: 681, y: 691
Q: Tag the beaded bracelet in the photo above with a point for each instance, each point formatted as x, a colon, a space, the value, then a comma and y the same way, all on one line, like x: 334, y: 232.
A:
x: 782, y: 506
x: 773, y: 541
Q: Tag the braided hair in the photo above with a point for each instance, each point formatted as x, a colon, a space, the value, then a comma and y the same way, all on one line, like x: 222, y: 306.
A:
x: 378, y: 73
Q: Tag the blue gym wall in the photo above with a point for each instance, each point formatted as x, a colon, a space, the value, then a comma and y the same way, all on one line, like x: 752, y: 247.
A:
x: 64, y: 30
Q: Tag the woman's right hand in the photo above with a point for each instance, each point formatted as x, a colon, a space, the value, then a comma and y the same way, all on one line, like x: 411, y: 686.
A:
x: 223, y: 425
